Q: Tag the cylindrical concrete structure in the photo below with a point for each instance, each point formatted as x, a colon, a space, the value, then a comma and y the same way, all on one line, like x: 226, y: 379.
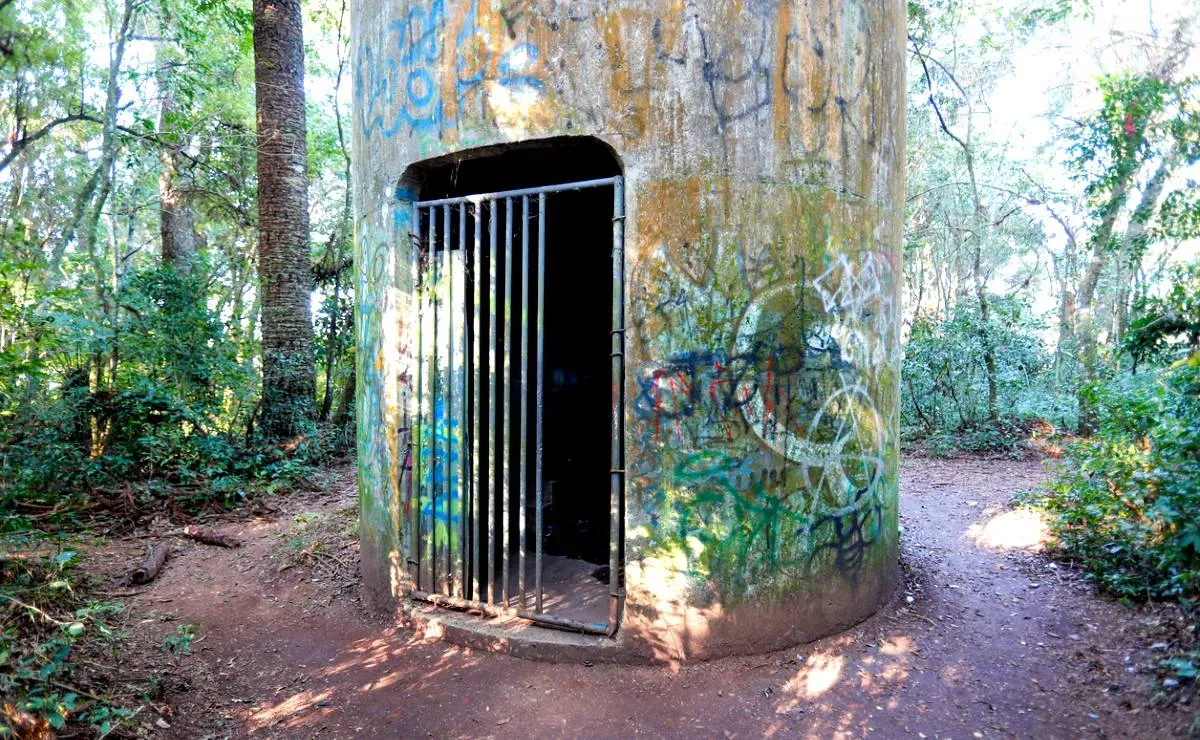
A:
x: 762, y: 148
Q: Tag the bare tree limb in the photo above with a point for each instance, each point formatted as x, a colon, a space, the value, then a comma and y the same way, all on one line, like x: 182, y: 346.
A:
x: 23, y: 143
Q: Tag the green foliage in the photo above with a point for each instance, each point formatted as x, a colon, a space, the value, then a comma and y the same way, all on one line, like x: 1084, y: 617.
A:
x: 1146, y: 122
x: 122, y: 381
x: 45, y: 625
x: 1184, y: 667
x: 1167, y: 325
x: 1125, y: 501
x: 334, y: 345
x: 154, y: 420
x: 180, y: 642
x: 167, y: 418
x: 945, y: 382
x: 168, y: 332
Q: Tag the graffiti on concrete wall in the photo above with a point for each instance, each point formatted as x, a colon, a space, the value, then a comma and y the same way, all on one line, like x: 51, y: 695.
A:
x: 769, y: 58
x: 424, y: 72
x: 439, y: 497
x: 444, y: 66
x: 440, y: 442
x: 763, y: 380
x: 858, y: 293
x: 760, y: 61
x: 762, y: 454
x: 381, y: 384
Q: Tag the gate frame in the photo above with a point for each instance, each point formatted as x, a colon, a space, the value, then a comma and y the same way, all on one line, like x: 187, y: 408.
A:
x: 617, y: 482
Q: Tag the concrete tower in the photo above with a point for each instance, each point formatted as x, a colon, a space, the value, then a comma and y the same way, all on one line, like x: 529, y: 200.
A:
x: 627, y: 280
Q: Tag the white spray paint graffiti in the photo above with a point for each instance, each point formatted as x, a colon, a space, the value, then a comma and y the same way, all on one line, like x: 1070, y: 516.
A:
x: 853, y: 291
x: 841, y: 448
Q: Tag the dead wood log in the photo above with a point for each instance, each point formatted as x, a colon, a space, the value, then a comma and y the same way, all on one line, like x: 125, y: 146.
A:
x: 209, y: 537
x: 149, y: 568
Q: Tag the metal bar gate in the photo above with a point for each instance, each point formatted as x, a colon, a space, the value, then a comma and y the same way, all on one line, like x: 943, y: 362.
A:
x: 480, y: 277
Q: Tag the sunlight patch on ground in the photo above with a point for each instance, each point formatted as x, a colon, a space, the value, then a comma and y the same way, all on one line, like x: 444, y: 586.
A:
x: 1018, y: 529
x: 952, y: 674
x: 288, y: 708
x: 819, y: 675
x: 897, y: 645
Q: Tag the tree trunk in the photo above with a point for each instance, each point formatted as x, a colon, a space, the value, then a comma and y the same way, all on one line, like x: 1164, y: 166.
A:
x: 1086, y: 334
x: 176, y: 221
x: 989, y: 348
x: 83, y: 222
x: 340, y: 233
x: 980, y: 284
x: 284, y: 270
x: 1133, y: 245
x: 90, y: 222
x: 1120, y: 305
x: 345, y: 403
x: 980, y: 227
x: 1064, y: 272
x: 331, y: 342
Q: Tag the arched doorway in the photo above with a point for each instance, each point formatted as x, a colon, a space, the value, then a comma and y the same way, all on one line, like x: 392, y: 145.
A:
x: 518, y: 437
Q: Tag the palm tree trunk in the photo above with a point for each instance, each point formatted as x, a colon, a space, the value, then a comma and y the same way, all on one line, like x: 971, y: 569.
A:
x: 284, y: 265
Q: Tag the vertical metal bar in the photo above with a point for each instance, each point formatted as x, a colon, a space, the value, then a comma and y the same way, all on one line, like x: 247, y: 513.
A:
x: 477, y: 280
x: 506, y: 442
x: 434, y: 373
x: 537, y: 375
x: 415, y: 442
x: 460, y: 381
x: 524, y: 329
x: 617, y: 473
x: 493, y: 407
x: 448, y: 398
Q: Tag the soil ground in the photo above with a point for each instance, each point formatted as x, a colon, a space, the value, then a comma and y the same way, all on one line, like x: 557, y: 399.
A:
x: 988, y: 638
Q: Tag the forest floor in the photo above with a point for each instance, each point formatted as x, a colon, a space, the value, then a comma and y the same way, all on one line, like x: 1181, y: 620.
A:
x: 988, y: 638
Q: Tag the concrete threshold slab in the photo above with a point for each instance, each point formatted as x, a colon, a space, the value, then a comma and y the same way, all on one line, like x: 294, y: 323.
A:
x: 514, y: 636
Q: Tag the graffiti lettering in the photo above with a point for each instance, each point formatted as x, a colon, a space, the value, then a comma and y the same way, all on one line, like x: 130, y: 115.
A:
x: 773, y: 433
x: 399, y: 77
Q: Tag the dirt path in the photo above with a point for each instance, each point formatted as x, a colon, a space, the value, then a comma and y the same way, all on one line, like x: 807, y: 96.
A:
x: 988, y: 640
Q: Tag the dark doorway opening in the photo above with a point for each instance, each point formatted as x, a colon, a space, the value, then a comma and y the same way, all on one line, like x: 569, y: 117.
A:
x: 578, y: 376
x: 524, y: 164
x: 520, y: 249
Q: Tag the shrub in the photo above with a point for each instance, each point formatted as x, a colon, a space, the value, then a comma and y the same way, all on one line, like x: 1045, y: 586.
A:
x: 46, y: 624
x: 1125, y: 501
x: 174, y: 417
x: 944, y: 398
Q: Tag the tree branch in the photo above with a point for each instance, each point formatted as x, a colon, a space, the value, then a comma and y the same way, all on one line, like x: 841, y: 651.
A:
x: 932, y: 101
x: 23, y: 143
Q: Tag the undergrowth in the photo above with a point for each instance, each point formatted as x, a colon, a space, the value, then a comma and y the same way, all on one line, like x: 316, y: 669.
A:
x: 235, y: 477
x: 1124, y: 503
x: 174, y: 424
x: 945, y: 379
x: 58, y: 647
